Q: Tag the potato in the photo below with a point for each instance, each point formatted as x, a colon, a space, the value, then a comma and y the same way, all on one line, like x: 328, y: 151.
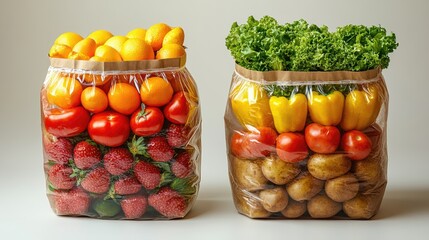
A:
x: 278, y: 171
x: 247, y: 174
x: 274, y: 200
x: 248, y: 204
x: 369, y: 172
x: 327, y: 166
x: 294, y: 209
x: 363, y: 206
x: 304, y: 187
x: 321, y: 206
x: 342, y: 188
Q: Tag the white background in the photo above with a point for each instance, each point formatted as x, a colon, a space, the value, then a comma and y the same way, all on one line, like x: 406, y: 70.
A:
x: 28, y: 28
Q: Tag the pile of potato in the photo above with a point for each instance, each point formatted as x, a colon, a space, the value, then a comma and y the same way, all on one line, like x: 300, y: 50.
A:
x: 322, y: 186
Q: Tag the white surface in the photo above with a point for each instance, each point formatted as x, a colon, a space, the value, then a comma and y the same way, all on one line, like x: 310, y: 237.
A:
x: 29, y: 27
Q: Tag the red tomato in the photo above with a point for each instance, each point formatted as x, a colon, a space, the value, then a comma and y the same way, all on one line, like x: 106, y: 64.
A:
x: 147, y: 121
x: 255, y: 144
x: 356, y: 144
x: 177, y: 110
x: 109, y: 128
x: 291, y: 147
x: 66, y: 122
x: 322, y: 139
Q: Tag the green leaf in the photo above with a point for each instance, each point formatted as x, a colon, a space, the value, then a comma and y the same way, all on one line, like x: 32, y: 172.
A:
x: 137, y: 146
x: 185, y: 186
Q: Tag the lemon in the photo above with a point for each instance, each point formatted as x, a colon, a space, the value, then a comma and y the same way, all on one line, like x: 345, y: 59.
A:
x: 176, y: 35
x: 155, y: 35
x: 59, y: 51
x: 107, y: 54
x: 116, y: 42
x: 83, y: 50
x: 135, y: 49
x: 68, y: 39
x: 100, y: 36
x: 137, y: 33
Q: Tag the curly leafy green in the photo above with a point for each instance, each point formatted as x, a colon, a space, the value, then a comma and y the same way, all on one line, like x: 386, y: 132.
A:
x: 298, y: 46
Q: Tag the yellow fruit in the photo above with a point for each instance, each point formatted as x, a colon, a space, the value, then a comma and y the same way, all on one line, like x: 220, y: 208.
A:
x: 83, y: 50
x: 176, y: 35
x: 155, y: 35
x: 68, y: 39
x: 171, y: 50
x: 100, y: 36
x: 64, y: 92
x: 116, y: 42
x: 135, y: 49
x: 59, y: 51
x: 96, y: 59
x: 137, y: 33
x: 107, y: 54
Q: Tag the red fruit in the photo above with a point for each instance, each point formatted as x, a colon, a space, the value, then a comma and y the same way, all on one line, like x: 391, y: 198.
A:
x: 356, y: 144
x: 109, y: 128
x: 177, y: 135
x: 177, y: 110
x: 147, y: 174
x: 322, y: 139
x: 86, y: 155
x: 127, y: 185
x: 73, y: 202
x: 182, y: 166
x: 168, y: 203
x: 259, y: 142
x: 66, y: 122
x: 134, y: 206
x: 291, y: 147
x: 60, y: 151
x: 59, y: 177
x: 118, y: 160
x: 96, y: 181
x: 159, y: 150
x: 147, y: 121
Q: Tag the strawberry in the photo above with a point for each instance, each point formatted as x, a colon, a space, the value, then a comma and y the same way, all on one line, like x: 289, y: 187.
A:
x: 59, y: 177
x: 159, y: 150
x: 168, y: 203
x: 127, y: 185
x: 177, y: 135
x: 96, y: 181
x: 147, y: 174
x: 118, y: 160
x: 86, y: 155
x: 73, y: 202
x: 134, y: 206
x: 182, y: 165
x: 60, y: 151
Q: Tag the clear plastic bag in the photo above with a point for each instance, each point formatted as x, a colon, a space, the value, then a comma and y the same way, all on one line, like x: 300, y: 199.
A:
x: 307, y: 144
x: 121, y: 140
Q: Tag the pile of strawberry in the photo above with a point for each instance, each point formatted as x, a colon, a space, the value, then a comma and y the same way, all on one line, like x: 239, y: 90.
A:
x: 145, y: 177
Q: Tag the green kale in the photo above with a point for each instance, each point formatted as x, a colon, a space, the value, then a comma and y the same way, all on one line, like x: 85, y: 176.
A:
x: 298, y: 46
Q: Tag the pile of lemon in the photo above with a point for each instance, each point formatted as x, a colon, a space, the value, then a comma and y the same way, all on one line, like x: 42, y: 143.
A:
x: 160, y: 41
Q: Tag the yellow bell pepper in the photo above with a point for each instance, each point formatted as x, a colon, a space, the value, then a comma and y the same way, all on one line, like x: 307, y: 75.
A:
x: 326, y: 110
x: 361, y: 108
x: 290, y: 114
x: 249, y: 103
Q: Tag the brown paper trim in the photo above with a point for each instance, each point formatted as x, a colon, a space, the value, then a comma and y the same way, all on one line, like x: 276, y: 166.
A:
x: 117, y: 66
x: 295, y: 76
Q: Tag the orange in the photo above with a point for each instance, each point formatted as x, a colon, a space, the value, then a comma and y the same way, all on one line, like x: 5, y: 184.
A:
x: 107, y: 54
x: 116, y: 42
x: 94, y: 99
x: 155, y: 35
x: 68, y: 39
x: 59, y: 51
x: 64, y: 92
x: 94, y: 79
x: 176, y: 35
x: 156, y: 91
x: 83, y: 50
x: 135, y: 49
x: 171, y: 50
x: 124, y: 98
x: 137, y: 33
x: 100, y: 36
